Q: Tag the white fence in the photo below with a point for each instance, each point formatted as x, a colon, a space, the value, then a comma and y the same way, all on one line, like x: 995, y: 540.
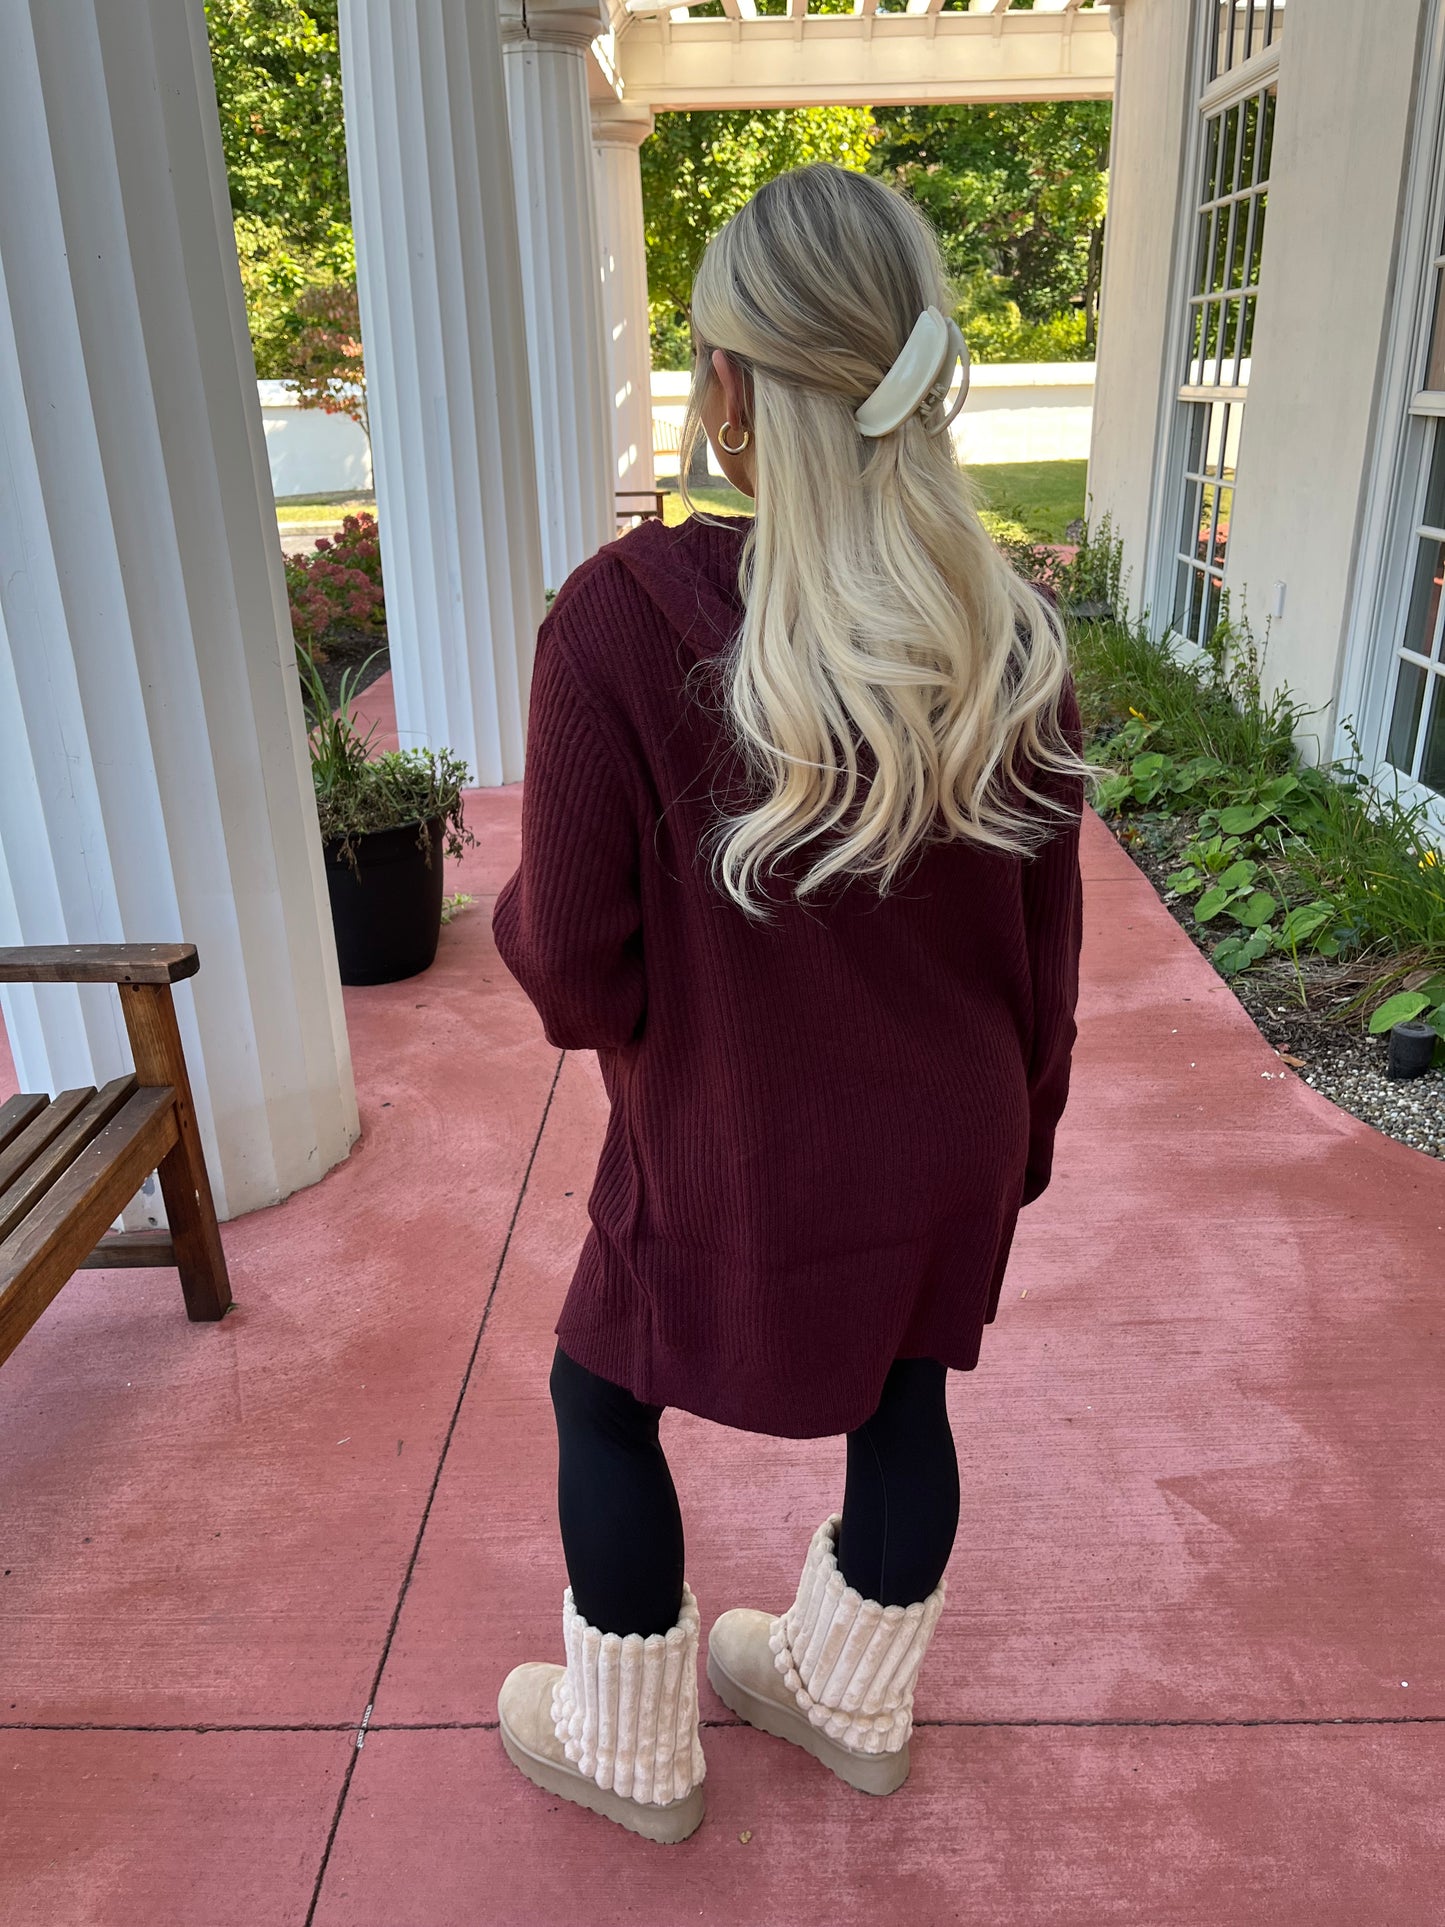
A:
x: 1028, y: 412
x: 1016, y: 412
x: 1024, y: 412
x: 312, y: 453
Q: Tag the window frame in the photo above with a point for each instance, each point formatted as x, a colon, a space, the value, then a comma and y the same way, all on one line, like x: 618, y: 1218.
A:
x: 1210, y: 99
x: 1268, y: 14
x: 1409, y: 420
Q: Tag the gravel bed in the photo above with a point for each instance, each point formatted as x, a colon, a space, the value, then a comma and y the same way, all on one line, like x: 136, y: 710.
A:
x: 1340, y: 1059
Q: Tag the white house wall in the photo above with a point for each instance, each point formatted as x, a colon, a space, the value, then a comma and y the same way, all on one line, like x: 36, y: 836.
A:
x: 1346, y: 88
x: 1136, y: 362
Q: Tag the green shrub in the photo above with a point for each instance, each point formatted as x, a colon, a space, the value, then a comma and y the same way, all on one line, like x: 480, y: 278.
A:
x: 1002, y: 335
x: 1286, y: 859
x: 337, y: 587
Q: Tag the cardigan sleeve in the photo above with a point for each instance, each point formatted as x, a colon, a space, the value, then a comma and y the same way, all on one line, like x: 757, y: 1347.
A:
x: 568, y: 924
x: 1053, y: 920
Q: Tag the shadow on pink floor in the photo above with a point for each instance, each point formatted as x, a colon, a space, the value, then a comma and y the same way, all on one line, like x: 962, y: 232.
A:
x: 1200, y: 1556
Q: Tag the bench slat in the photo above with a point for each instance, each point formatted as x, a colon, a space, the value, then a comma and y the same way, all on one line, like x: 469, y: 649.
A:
x: 40, y: 1134
x: 18, y: 1111
x: 130, y: 1248
x: 98, y: 963
x: 38, y: 1176
x: 37, y: 1259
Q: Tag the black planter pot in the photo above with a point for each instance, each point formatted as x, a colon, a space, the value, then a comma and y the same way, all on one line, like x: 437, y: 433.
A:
x: 387, y: 910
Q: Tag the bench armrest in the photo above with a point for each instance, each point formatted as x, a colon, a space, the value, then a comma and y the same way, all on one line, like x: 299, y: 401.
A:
x: 98, y: 963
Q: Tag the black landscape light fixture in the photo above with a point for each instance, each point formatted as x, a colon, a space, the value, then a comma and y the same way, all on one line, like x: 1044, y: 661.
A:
x: 1412, y: 1050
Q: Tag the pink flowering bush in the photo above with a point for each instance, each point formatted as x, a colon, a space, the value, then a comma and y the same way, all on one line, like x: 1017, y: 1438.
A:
x: 337, y: 588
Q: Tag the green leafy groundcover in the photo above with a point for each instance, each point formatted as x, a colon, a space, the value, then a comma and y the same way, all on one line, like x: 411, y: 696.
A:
x: 1316, y: 865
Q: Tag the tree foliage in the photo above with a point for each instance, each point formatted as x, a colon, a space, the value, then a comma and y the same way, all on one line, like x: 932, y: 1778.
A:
x: 698, y: 169
x: 278, y: 86
x: 1018, y: 194
x: 324, y: 352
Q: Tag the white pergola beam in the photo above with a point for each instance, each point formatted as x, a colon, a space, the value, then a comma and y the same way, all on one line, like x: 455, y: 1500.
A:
x: 799, y: 9
x: 862, y: 60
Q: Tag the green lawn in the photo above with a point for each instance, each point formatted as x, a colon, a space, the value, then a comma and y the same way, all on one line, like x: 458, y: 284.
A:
x: 1041, y: 497
x: 1033, y: 501
x: 323, y: 511
x: 719, y: 497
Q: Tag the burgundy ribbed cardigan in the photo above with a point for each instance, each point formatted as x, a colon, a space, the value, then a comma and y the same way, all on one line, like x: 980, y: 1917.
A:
x: 821, y: 1128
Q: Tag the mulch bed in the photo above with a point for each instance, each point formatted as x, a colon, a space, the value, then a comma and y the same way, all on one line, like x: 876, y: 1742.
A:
x: 367, y: 654
x: 1330, y: 1048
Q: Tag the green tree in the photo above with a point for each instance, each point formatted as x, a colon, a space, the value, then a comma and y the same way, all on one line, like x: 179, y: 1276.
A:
x: 278, y: 85
x: 1018, y: 194
x: 323, y: 355
x: 698, y: 169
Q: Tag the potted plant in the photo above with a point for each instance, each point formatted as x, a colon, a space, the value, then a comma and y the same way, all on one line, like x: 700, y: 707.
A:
x: 387, y: 821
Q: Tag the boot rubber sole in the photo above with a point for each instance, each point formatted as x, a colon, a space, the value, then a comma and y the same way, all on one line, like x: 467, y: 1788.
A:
x: 667, y: 1825
x: 869, y: 1772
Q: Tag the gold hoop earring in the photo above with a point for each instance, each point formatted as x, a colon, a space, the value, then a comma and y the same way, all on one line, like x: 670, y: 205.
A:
x: 724, y: 443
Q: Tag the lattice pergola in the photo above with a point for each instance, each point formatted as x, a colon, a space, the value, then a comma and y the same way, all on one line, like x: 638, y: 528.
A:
x: 800, y: 9
x: 793, y: 53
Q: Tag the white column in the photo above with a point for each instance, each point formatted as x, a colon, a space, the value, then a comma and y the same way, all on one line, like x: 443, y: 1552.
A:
x: 618, y: 131
x: 153, y: 774
x: 446, y: 370
x: 545, y: 45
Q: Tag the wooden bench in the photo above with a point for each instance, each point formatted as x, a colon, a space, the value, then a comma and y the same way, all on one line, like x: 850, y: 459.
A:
x: 636, y: 505
x: 69, y: 1165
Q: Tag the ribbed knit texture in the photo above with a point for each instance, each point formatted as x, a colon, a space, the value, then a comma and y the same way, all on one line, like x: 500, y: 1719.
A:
x: 823, y: 1127
x: 851, y: 1663
x: 625, y: 1708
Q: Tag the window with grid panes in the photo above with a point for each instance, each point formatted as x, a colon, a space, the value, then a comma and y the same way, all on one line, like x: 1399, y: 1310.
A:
x: 1238, y: 142
x: 1242, y: 29
x: 1415, y: 740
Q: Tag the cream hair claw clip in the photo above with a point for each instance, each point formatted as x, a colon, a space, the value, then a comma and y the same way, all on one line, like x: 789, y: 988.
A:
x: 919, y: 380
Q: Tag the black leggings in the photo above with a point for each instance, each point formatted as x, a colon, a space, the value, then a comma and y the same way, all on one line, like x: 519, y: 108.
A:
x: 622, y: 1528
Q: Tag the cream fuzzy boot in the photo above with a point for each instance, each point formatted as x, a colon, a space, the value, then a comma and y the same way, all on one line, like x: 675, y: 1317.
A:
x: 615, y: 1729
x: 835, y: 1674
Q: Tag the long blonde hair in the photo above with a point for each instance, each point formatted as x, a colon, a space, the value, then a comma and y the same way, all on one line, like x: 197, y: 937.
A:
x: 894, y: 682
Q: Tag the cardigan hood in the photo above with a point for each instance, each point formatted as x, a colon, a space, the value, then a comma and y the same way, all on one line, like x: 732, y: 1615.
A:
x: 691, y: 573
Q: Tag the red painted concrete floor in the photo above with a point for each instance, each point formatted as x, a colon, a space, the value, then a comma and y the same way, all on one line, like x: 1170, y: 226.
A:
x: 1193, y: 1664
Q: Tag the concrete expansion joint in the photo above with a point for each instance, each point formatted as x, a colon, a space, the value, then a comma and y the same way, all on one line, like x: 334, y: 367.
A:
x: 722, y: 1725
x: 367, y: 1725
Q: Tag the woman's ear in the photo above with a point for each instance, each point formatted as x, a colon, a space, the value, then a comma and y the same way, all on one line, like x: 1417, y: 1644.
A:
x: 731, y: 382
